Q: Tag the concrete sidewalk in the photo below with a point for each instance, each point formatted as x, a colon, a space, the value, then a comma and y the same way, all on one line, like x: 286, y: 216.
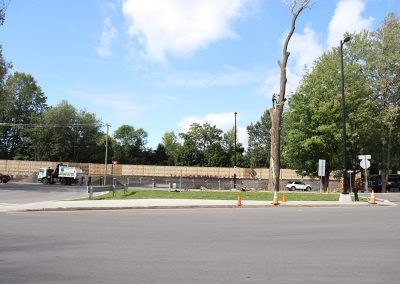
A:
x: 171, y: 204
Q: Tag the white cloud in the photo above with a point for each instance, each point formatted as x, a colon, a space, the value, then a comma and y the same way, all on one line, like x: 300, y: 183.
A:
x: 272, y: 81
x: 180, y: 27
x: 224, y: 121
x: 304, y: 49
x: 107, y: 37
x: 109, y: 33
x: 347, y: 18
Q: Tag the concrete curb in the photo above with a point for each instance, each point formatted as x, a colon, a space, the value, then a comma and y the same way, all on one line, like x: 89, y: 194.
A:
x: 91, y: 205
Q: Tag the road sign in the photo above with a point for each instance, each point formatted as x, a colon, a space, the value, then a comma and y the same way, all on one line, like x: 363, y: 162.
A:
x: 321, y: 168
x: 365, y: 164
x: 364, y: 161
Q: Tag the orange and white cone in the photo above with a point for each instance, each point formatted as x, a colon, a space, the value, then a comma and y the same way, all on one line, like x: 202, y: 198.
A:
x: 276, y: 201
x: 284, y: 197
x: 239, y: 201
x: 372, y: 199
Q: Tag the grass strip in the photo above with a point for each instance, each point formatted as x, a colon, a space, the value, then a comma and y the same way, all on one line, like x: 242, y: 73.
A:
x: 216, y: 195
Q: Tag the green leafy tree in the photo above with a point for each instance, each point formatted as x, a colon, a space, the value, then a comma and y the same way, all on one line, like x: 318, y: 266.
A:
x: 68, y: 134
x: 203, y: 135
x: 23, y: 104
x: 4, y: 105
x: 130, y: 147
x: 55, y: 138
x: 170, y: 143
x: 158, y: 156
x: 188, y: 154
x: 228, y: 143
x: 3, y: 7
x: 215, y: 156
x: 196, y: 142
x: 313, y: 120
x: 383, y: 62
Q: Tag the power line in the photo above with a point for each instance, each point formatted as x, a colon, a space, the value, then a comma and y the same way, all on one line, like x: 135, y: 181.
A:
x: 48, y: 125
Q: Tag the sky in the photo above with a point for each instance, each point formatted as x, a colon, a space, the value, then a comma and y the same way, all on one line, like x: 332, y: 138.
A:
x: 162, y: 65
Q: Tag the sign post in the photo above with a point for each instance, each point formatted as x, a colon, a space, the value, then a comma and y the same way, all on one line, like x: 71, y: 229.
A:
x: 365, y: 164
x: 350, y: 172
x: 321, y: 173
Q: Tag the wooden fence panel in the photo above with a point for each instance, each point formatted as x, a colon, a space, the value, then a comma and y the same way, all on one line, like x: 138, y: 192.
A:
x: 29, y: 168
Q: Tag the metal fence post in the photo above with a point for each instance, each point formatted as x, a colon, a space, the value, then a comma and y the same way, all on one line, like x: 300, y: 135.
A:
x: 113, y: 190
x: 90, y: 192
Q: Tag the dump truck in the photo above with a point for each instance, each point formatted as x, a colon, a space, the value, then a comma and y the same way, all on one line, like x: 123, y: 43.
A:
x: 62, y: 174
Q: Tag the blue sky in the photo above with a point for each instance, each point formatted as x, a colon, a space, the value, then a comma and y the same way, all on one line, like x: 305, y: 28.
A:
x: 164, y: 64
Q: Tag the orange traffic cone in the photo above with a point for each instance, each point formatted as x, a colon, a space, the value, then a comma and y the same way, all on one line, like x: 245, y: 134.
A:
x: 276, y: 202
x: 239, y: 201
x: 284, y: 197
x: 372, y: 200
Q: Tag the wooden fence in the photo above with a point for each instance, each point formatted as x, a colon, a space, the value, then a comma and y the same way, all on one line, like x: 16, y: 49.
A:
x: 18, y: 168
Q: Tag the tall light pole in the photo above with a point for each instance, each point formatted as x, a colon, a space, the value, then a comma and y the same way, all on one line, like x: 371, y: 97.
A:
x: 234, y: 161
x: 345, y: 191
x: 105, y: 159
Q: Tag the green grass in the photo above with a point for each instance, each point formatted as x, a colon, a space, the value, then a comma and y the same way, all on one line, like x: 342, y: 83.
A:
x: 215, y: 195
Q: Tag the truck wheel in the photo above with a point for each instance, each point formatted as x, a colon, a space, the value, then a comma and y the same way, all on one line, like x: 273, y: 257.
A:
x: 63, y: 181
x: 45, y: 181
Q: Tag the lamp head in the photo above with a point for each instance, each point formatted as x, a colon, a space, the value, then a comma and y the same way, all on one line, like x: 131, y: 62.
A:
x: 347, y: 39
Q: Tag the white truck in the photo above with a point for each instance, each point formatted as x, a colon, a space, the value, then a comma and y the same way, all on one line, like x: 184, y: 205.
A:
x: 65, y: 175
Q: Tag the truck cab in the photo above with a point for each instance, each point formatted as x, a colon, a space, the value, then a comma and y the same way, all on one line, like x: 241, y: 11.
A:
x: 45, y: 175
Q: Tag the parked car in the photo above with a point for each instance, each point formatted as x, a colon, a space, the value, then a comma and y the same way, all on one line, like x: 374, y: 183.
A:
x: 298, y: 185
x: 4, y: 178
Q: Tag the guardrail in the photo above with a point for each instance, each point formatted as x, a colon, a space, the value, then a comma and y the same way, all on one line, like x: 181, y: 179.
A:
x: 91, y: 189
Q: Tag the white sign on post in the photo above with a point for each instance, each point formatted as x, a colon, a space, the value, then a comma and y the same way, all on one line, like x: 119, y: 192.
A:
x: 364, y: 161
x: 321, y: 172
x: 365, y: 164
x: 321, y: 168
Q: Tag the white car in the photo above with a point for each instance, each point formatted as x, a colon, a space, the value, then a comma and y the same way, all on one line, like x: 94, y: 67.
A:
x: 298, y: 185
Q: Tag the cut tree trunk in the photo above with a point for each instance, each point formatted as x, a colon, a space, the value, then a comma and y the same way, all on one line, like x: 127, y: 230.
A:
x: 296, y: 7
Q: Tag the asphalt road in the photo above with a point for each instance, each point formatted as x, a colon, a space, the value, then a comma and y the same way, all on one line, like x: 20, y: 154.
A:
x: 268, y: 245
x: 19, y: 193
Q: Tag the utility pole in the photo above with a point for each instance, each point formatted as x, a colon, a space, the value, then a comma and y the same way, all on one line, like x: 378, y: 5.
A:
x: 234, y: 163
x: 105, y: 159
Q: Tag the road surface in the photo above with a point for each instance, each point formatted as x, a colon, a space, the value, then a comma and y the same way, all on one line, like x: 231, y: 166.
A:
x: 266, y: 245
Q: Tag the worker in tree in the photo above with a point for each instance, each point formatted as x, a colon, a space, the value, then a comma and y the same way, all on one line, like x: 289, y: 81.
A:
x: 273, y: 100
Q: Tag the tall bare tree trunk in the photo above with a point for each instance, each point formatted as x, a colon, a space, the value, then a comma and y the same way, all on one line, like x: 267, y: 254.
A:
x: 296, y: 7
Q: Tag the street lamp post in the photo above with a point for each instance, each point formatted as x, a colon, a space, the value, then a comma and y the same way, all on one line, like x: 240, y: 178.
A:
x: 234, y: 161
x: 105, y: 158
x: 345, y: 191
